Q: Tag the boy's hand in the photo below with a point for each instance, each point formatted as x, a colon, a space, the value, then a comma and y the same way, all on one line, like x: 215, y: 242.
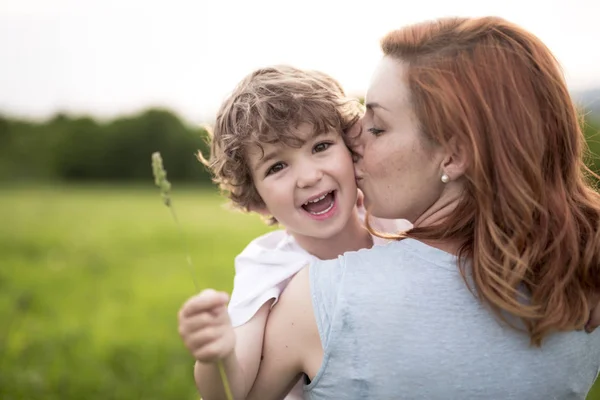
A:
x: 360, y: 198
x: 594, y: 320
x: 205, y: 327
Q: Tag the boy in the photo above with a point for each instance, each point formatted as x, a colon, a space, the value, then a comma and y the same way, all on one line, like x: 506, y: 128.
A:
x: 278, y: 150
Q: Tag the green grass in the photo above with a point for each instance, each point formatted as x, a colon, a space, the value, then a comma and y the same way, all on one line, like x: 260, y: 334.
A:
x: 91, y: 279
x: 91, y: 282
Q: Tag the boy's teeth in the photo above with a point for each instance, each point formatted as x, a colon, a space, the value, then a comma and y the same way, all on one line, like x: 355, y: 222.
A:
x: 324, y: 211
x: 320, y: 205
x: 316, y: 200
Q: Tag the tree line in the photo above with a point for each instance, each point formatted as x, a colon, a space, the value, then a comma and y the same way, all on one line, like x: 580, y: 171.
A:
x: 68, y: 148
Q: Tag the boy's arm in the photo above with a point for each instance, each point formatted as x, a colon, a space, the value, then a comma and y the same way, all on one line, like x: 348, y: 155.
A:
x: 291, y: 345
x: 241, y: 366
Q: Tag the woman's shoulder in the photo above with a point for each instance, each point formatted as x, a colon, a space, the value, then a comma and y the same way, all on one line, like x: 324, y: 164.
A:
x: 404, y: 250
x: 327, y: 277
x: 326, y: 271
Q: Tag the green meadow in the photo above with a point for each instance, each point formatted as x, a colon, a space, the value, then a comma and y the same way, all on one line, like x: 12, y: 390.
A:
x: 91, y: 279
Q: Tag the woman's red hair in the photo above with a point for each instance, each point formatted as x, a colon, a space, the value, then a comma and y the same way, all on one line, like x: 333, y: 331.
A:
x: 528, y: 224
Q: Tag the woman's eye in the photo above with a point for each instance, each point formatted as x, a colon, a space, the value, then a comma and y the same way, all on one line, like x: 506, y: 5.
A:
x: 319, y: 147
x: 375, y: 131
x: 275, y: 168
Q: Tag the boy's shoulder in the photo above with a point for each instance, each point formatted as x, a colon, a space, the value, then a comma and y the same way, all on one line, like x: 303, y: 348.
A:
x: 269, y: 241
x: 275, y: 247
x: 262, y: 270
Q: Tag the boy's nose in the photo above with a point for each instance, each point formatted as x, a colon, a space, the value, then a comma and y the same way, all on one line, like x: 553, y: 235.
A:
x: 308, y: 177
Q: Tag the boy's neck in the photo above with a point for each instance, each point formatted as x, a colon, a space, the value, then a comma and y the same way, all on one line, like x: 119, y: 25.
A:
x: 354, y: 236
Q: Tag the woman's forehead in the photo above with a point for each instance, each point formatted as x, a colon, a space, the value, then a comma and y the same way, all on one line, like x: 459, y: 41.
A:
x: 387, y: 89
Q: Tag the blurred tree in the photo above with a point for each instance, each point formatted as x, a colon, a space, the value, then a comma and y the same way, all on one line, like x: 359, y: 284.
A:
x: 84, y: 149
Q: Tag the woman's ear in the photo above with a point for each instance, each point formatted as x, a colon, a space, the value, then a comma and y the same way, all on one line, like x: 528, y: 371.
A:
x: 456, y: 161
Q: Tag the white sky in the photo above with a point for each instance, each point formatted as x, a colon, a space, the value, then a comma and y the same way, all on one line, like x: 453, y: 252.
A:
x: 110, y: 57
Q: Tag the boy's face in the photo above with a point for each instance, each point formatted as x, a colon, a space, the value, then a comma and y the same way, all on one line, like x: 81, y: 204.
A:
x: 310, y: 190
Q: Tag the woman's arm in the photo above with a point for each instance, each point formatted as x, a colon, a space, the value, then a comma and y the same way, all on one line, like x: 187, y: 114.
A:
x: 292, y: 345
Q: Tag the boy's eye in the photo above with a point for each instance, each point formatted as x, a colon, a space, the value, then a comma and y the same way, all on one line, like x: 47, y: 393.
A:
x: 375, y: 131
x: 319, y: 147
x: 275, y: 168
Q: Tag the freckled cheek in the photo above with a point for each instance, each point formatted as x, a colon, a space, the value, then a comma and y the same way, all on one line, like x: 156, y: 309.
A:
x: 377, y: 167
x: 376, y: 158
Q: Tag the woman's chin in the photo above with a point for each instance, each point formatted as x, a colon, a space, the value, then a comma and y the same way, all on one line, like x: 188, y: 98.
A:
x: 374, y: 211
x: 379, y: 212
x: 380, y: 216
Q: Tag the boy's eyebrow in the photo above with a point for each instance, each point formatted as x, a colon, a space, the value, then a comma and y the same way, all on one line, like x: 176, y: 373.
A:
x: 266, y: 158
x: 269, y: 156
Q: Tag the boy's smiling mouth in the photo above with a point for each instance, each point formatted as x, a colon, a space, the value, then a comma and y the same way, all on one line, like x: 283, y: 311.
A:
x: 322, y: 205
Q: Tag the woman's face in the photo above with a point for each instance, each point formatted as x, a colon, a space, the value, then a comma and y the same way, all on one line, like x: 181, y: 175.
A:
x: 398, y: 170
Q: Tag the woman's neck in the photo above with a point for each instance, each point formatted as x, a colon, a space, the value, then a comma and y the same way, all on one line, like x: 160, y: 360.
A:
x: 437, y: 214
x: 352, y: 237
x: 442, y: 208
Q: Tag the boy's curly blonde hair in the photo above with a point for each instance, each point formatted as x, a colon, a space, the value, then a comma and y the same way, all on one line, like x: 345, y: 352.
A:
x: 267, y: 106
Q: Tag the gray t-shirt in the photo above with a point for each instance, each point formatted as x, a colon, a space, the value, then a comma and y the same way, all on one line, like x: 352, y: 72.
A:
x: 398, y: 322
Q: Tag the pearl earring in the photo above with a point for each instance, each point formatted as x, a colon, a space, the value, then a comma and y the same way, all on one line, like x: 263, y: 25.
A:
x: 445, y: 178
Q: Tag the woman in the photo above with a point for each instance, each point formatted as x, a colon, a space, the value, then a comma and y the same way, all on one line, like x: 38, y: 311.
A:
x: 470, y: 134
